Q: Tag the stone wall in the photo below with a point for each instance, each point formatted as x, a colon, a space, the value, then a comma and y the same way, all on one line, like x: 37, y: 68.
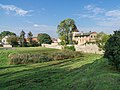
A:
x: 53, y: 45
x: 89, y: 48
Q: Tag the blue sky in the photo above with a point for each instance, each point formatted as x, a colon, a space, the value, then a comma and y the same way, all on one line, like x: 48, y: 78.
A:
x: 43, y: 16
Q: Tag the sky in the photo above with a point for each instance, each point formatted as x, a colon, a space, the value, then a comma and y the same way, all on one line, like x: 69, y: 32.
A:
x: 43, y: 16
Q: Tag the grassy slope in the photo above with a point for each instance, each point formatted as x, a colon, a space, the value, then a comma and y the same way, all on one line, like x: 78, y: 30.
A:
x: 5, y: 52
x: 86, y: 73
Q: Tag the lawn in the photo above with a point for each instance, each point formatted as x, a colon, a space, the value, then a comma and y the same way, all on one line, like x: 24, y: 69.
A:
x: 89, y: 72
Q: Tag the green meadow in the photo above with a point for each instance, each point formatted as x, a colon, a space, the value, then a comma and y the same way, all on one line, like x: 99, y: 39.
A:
x: 88, y: 72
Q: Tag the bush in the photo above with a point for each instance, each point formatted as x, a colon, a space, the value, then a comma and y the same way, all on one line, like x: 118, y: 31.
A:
x: 44, y: 38
x: 27, y: 58
x: 65, y: 54
x: 1, y: 45
x: 69, y: 48
x: 112, y: 50
x: 59, y: 56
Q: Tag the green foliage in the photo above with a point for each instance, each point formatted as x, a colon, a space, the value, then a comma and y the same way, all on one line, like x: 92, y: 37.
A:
x: 101, y: 39
x: 89, y: 72
x: 22, y: 39
x: 65, y: 29
x: 69, y: 48
x: 112, y: 50
x: 27, y: 58
x: 13, y: 40
x: 6, y: 33
x: 30, y: 35
x: 44, y: 38
x: 65, y: 54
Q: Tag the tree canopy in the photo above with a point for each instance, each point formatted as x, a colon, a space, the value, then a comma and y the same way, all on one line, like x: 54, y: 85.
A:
x: 44, y: 38
x: 112, y: 50
x: 22, y: 38
x: 6, y: 33
x: 65, y: 29
x: 13, y: 40
x: 101, y: 39
x: 30, y: 35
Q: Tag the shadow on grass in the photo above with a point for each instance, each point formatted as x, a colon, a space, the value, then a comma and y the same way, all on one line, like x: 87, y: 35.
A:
x: 51, y: 77
x: 11, y: 66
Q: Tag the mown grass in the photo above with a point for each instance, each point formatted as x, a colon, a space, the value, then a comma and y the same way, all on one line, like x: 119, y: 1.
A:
x: 6, y: 51
x: 90, y: 72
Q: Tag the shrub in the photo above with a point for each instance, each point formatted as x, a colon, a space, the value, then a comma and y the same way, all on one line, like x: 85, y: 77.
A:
x: 112, y: 50
x: 59, y: 56
x: 1, y: 45
x: 65, y: 54
x: 27, y: 58
x: 44, y: 38
x: 69, y: 48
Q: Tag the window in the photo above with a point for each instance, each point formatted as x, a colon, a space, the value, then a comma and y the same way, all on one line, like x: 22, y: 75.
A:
x: 3, y: 40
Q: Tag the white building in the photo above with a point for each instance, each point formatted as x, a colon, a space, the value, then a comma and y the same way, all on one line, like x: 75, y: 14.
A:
x: 4, y: 40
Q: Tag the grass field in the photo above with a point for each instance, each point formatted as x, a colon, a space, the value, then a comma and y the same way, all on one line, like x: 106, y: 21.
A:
x: 90, y: 72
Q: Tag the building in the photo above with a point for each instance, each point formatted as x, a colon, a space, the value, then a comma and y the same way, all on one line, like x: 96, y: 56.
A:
x: 5, y: 43
x: 4, y: 40
x: 33, y: 39
x: 81, y: 38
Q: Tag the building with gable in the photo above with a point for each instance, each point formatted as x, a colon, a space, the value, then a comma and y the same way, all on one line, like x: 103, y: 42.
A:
x: 81, y: 38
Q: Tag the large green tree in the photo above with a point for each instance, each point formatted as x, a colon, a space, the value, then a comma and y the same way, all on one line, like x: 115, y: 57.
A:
x: 112, y: 50
x: 44, y: 38
x: 22, y: 39
x: 65, y: 29
x: 101, y: 39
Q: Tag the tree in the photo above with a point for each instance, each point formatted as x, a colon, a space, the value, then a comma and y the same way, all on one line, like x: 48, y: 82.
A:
x: 22, y: 38
x: 13, y: 40
x: 30, y: 35
x: 44, y: 38
x: 101, y: 39
x: 6, y: 33
x: 112, y: 49
x: 65, y: 29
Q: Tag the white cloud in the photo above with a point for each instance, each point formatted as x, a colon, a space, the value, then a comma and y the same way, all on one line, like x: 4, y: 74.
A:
x: 38, y: 26
x: 13, y: 8
x: 35, y: 25
x: 103, y: 18
x: 93, y: 9
x: 113, y: 13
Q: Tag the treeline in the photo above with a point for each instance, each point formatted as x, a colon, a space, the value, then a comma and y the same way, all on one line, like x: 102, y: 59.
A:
x: 23, y: 41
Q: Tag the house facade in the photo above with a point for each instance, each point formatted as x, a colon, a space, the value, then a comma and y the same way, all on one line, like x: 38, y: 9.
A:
x: 4, y: 40
x: 81, y: 38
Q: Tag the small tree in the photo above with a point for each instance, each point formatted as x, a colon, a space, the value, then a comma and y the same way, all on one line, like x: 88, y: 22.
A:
x: 30, y: 35
x: 101, y: 39
x: 112, y: 50
x: 22, y: 38
x: 13, y: 40
x: 44, y: 38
